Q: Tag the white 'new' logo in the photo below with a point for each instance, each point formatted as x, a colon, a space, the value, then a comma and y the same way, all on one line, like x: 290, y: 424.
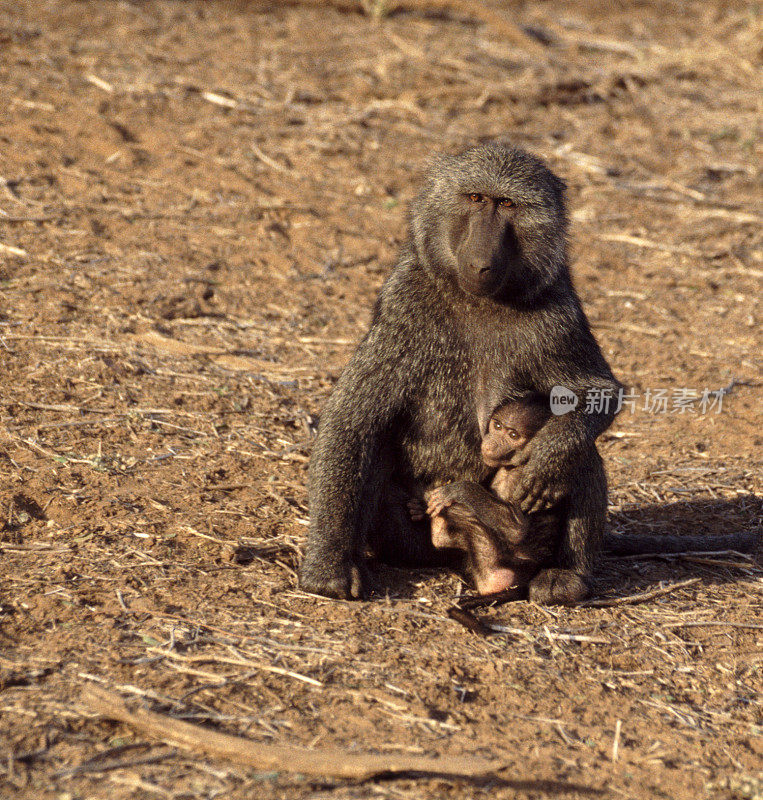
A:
x: 562, y: 400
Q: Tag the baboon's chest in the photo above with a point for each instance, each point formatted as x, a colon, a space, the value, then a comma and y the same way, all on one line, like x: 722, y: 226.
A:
x: 439, y: 440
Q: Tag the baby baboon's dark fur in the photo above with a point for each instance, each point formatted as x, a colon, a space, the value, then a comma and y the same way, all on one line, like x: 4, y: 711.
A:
x: 481, y: 292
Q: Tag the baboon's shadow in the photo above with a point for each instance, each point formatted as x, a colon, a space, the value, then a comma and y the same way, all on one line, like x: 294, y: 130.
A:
x: 622, y: 575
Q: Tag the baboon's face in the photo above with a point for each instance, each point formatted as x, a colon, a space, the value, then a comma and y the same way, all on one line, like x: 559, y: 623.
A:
x: 511, y: 427
x: 484, y: 242
x: 502, y: 440
x: 492, y: 221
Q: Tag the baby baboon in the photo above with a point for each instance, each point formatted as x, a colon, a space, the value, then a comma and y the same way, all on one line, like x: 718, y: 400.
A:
x: 502, y: 546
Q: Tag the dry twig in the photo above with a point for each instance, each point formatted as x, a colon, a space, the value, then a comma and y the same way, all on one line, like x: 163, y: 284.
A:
x: 642, y: 597
x: 324, y: 763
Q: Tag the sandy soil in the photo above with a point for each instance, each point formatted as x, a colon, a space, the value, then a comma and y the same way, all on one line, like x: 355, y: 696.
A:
x: 198, y: 204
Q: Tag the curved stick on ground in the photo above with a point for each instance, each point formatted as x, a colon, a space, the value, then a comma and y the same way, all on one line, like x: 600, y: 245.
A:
x: 461, y: 612
x: 468, y: 620
x: 325, y: 763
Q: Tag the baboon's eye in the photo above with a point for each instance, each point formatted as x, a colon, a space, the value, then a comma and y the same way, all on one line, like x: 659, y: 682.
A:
x: 513, y: 434
x: 506, y: 202
x: 475, y: 197
x: 497, y: 425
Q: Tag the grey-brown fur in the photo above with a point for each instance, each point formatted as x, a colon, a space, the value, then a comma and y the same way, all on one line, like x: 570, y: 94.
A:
x: 478, y: 293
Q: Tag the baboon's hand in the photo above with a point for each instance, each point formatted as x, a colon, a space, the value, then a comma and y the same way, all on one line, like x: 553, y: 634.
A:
x: 444, y: 496
x: 437, y: 500
x: 325, y: 574
x: 558, y: 587
x: 547, y: 476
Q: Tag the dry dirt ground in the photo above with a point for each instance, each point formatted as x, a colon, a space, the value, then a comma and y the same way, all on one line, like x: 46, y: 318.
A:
x: 198, y: 204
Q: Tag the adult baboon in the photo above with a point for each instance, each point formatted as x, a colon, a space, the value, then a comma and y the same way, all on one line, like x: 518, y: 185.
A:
x: 481, y: 288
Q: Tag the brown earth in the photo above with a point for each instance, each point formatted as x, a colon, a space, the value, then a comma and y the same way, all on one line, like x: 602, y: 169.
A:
x: 198, y: 204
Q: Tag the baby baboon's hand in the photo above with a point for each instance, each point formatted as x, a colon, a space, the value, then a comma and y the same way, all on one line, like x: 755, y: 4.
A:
x: 439, y: 499
x: 464, y: 493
